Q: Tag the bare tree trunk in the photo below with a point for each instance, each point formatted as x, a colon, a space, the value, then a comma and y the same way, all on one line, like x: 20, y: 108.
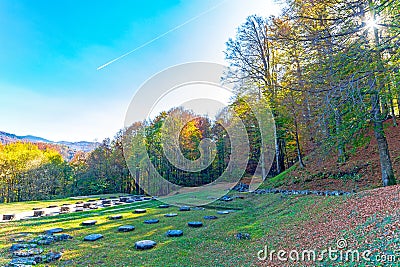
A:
x: 340, y: 143
x: 299, y: 155
x: 392, y: 105
x: 398, y: 102
x: 384, y: 156
x: 263, y: 171
x: 280, y: 157
x: 137, y: 187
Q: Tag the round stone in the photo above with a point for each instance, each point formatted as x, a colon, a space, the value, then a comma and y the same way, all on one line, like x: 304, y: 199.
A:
x: 223, y: 212
x: 145, y: 244
x: 211, y: 217
x: 170, y: 215
x: 198, y: 208
x: 93, y: 237
x: 184, y: 208
x: 140, y: 211
x: 53, y: 231
x: 37, y: 213
x: 165, y: 206
x: 126, y: 228
x: 115, y: 217
x: 152, y: 221
x: 242, y: 236
x: 8, y: 217
x: 226, y: 198
x: 90, y: 222
x: 195, y: 224
x: 174, y: 233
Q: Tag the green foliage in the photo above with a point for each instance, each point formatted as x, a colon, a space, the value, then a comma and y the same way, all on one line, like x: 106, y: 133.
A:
x: 28, y: 173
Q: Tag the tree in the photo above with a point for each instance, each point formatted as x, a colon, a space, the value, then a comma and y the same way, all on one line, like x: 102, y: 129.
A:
x: 253, y: 57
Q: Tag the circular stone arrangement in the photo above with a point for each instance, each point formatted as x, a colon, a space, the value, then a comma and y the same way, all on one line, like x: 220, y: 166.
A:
x: 210, y: 217
x: 195, y: 224
x: 152, y: 221
x: 126, y: 228
x: 140, y: 211
x: 174, y: 233
x: 170, y: 215
x: 88, y: 223
x: 145, y: 244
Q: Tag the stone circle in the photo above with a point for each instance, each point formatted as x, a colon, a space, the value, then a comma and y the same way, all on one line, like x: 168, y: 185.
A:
x: 89, y: 222
x: 140, y: 211
x: 152, y: 221
x: 126, y: 228
x: 210, y: 217
x: 170, y: 215
x: 93, y: 237
x: 174, y: 233
x: 115, y: 217
x: 226, y: 198
x: 145, y: 244
x: 53, y: 231
x: 223, y: 212
x: 195, y: 224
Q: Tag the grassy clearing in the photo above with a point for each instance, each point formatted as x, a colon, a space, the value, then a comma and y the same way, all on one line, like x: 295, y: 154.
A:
x: 278, y: 180
x: 212, y: 245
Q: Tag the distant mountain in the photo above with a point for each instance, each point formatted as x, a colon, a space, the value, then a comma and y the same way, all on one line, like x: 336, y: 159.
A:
x: 81, y: 146
x: 67, y: 149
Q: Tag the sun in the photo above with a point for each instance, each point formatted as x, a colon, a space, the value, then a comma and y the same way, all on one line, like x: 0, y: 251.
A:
x: 372, y: 23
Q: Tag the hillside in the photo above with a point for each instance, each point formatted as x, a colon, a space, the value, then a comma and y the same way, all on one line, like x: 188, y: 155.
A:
x: 66, y: 149
x: 365, y: 221
x: 360, y: 172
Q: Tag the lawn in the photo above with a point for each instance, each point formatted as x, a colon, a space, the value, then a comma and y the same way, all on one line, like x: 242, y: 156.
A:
x: 269, y: 219
x: 214, y: 244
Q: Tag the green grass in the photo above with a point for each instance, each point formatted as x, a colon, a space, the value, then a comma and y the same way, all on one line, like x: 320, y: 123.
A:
x: 278, y: 180
x: 212, y: 245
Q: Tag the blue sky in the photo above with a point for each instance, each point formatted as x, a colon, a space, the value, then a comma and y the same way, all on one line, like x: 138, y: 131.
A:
x: 50, y: 52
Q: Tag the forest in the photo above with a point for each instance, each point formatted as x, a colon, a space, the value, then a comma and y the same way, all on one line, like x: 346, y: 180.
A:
x: 327, y: 69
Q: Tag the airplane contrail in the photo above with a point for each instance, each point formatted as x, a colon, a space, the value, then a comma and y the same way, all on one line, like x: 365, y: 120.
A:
x: 163, y: 34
